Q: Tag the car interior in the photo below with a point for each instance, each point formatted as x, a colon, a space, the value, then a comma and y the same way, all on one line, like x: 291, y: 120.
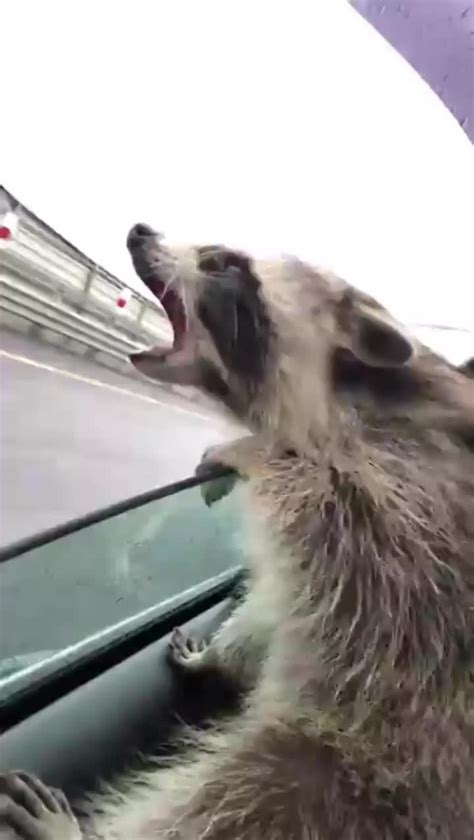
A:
x: 86, y: 686
x: 85, y: 712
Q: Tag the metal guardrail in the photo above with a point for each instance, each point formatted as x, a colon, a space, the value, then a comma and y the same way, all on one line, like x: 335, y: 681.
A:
x: 52, y: 287
x: 22, y: 302
x: 49, y: 286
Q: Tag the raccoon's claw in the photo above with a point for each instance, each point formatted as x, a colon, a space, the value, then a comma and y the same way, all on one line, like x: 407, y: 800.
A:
x: 186, y: 653
x: 215, y: 488
x: 212, y: 459
x: 32, y: 811
x: 218, y: 488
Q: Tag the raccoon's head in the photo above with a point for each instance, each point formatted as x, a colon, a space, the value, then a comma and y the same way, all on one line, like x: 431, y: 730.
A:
x: 268, y: 338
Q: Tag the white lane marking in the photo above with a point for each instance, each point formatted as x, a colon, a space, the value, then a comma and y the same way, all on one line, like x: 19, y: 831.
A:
x: 98, y: 384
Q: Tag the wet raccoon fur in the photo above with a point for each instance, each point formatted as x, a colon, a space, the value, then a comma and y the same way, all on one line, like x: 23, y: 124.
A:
x: 357, y: 631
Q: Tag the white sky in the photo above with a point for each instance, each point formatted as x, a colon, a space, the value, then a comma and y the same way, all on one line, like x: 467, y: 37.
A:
x: 278, y: 125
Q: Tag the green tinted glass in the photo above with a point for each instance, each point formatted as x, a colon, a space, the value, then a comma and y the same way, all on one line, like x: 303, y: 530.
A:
x: 70, y: 593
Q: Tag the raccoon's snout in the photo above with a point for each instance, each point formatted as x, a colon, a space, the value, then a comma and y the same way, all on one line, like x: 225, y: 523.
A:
x: 139, y: 235
x: 150, y: 258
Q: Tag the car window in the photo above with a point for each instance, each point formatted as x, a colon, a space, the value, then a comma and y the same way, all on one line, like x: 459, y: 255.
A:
x: 66, y: 596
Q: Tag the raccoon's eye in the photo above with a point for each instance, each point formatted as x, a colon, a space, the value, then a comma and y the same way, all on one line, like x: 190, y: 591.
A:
x: 215, y: 259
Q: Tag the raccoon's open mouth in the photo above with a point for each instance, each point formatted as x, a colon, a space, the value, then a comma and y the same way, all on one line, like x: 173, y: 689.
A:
x: 155, y: 268
x: 174, y: 306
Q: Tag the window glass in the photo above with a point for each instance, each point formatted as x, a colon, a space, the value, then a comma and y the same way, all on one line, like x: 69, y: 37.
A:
x: 96, y: 583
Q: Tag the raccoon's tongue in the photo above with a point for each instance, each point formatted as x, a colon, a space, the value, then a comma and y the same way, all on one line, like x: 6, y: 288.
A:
x: 174, y: 307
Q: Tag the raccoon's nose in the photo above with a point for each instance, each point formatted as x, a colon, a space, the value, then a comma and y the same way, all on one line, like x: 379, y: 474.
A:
x: 138, y: 234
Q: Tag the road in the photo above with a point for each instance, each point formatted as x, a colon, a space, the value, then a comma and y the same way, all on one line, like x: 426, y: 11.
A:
x: 75, y: 436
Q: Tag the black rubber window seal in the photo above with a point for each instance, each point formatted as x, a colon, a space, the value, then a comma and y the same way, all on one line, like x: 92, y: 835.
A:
x: 15, y: 549
x: 19, y: 705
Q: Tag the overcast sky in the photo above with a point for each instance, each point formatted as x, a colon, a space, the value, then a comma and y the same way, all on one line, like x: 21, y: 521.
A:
x: 280, y: 126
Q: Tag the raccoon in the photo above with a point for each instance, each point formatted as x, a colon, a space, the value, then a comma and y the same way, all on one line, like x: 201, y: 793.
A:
x: 467, y: 368
x: 358, y: 721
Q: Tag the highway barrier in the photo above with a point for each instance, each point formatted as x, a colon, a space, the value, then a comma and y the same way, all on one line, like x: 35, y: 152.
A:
x: 49, y: 288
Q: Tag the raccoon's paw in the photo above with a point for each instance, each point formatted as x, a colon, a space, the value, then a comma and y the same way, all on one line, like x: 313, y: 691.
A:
x: 32, y: 811
x: 231, y: 456
x: 187, y: 654
x: 216, y: 488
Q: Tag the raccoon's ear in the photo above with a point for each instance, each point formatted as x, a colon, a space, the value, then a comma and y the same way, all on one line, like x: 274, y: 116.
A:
x: 373, y: 336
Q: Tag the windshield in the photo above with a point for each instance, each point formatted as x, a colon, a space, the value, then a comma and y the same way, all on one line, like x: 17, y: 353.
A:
x: 95, y: 584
